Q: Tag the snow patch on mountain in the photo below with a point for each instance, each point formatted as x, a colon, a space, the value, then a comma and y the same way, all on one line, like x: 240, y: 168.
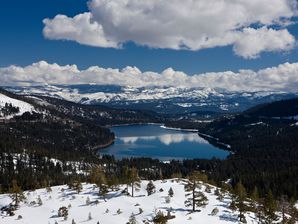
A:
x: 158, y: 98
x: 118, y: 207
x: 23, y: 106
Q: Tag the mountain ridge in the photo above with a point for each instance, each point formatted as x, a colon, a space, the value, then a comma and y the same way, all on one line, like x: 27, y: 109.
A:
x: 159, y: 99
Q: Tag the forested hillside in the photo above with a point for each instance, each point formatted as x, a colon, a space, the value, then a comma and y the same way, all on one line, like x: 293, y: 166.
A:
x: 283, y: 108
x: 35, y: 132
x: 265, y: 152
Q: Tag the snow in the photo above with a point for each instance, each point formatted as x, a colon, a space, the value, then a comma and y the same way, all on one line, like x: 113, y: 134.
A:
x: 254, y: 124
x: 179, y: 129
x: 52, y: 201
x: 23, y: 106
x: 129, y: 94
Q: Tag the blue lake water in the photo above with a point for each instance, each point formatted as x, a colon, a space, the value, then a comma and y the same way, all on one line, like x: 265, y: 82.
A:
x: 164, y: 144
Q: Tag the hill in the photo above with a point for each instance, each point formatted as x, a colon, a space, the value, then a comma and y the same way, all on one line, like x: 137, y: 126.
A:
x: 284, y: 108
x: 118, y: 207
x: 36, y: 131
x: 264, y: 145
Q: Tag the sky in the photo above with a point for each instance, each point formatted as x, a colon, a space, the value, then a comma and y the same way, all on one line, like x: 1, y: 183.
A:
x: 196, y: 37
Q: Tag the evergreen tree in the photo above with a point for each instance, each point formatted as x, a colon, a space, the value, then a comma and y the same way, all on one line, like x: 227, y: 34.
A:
x: 284, y: 206
x: 113, y: 182
x: 103, y: 190
x: 240, y: 198
x: 160, y: 218
x: 125, y: 176
x: 214, y: 211
x: 39, y: 201
x: 167, y: 199
x: 98, y: 177
x: 171, y: 192
x: 270, y: 207
x: 77, y: 186
x: 48, y: 189
x: 16, y: 193
x: 194, y: 197
x: 150, y: 188
x: 219, y: 194
x: 254, y: 198
x: 88, y: 201
x: 255, y: 195
x: 232, y: 205
x: 135, y: 180
x: 132, y: 219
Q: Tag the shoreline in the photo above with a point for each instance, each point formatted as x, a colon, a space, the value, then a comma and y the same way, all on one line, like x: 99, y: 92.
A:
x: 205, y: 136
x: 161, y: 125
x: 179, y: 129
x: 102, y: 146
x: 119, y: 125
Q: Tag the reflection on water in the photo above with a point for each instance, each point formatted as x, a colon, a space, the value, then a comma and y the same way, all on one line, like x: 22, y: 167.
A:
x: 156, y: 142
x: 166, y: 139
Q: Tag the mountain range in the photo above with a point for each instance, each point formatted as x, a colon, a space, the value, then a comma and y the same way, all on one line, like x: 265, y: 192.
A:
x: 167, y: 100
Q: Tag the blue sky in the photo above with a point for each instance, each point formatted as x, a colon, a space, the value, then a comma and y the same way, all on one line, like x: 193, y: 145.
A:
x: 22, y: 43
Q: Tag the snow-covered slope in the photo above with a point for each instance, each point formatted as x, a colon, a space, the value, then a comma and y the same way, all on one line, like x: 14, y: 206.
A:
x: 23, y: 106
x: 106, y: 212
x: 161, y: 99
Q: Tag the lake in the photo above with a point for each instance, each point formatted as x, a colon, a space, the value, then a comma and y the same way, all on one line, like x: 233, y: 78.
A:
x: 151, y: 140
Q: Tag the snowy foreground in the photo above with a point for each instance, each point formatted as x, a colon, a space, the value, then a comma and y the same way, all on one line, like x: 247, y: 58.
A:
x: 106, y: 212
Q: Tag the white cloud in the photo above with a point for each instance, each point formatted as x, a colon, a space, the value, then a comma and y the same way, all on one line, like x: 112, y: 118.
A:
x: 281, y: 78
x: 177, y: 24
x: 250, y: 42
x: 79, y: 28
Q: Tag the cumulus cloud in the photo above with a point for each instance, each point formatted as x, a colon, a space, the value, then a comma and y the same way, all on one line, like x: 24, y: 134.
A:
x: 281, y: 78
x: 251, y: 27
x: 79, y: 28
x: 250, y: 42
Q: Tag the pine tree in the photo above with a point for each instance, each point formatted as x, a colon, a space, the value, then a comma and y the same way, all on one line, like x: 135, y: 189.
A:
x: 150, y: 188
x: 98, y: 177
x: 125, y: 175
x: 39, y: 201
x: 240, y: 198
x: 77, y: 186
x: 88, y: 201
x: 255, y: 194
x: 270, y: 207
x: 171, y: 192
x: 132, y: 219
x: 284, y: 207
x: 232, y: 205
x: 17, y: 194
x: 208, y: 189
x: 255, y: 198
x: 113, y: 182
x: 103, y: 190
x: 160, y: 218
x: 135, y: 180
x: 194, y: 197
x: 168, y: 199
x: 49, y: 189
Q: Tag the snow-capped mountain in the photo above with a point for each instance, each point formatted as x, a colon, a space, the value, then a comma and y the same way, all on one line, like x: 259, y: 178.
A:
x: 160, y: 99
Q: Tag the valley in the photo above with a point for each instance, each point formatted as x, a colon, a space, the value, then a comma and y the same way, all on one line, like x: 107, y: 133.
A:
x: 58, y: 142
